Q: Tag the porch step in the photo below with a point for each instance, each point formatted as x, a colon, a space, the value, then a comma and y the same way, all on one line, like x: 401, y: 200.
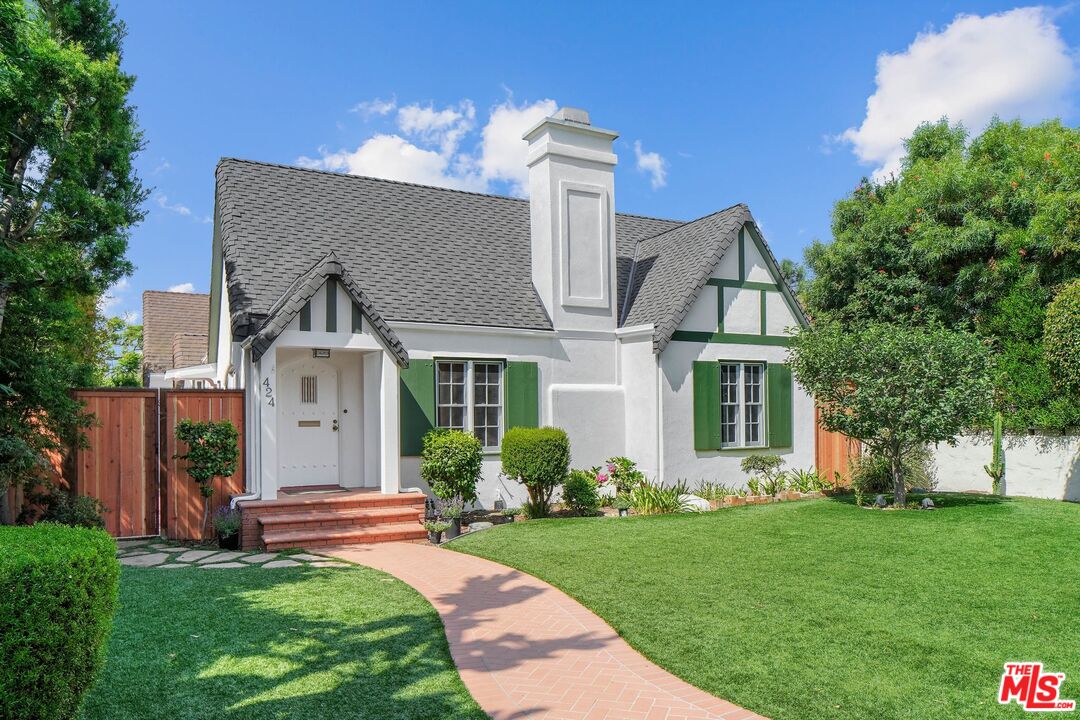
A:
x: 316, y: 537
x: 344, y: 517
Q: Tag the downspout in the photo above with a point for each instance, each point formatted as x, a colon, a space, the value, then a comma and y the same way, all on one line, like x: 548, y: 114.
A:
x: 659, y: 419
x: 253, y: 430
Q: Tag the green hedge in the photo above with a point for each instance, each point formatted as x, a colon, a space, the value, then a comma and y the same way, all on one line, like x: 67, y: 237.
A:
x: 58, y: 588
x: 539, y: 459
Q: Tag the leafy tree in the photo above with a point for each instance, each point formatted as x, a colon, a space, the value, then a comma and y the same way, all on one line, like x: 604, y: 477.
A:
x: 68, y: 195
x: 973, y: 236
x: 896, y: 388
x: 794, y: 274
x: 1061, y: 333
x: 121, y: 360
x: 213, y: 452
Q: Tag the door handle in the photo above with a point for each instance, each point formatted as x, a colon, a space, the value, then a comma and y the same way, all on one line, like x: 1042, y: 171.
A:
x: 334, y: 426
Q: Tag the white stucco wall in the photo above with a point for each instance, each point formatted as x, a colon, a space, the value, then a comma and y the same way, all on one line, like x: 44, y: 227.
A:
x: 1035, y: 465
x: 680, y: 460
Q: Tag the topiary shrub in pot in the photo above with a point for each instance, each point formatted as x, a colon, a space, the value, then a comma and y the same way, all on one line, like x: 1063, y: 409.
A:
x: 539, y: 459
x: 58, y: 590
x: 227, y: 523
x: 581, y: 493
x: 450, y: 463
x: 212, y: 452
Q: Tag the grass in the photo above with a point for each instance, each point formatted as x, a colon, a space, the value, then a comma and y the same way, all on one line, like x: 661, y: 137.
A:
x: 277, y: 643
x: 814, y: 609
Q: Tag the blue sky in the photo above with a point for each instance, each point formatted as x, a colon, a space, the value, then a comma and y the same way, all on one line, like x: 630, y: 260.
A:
x: 716, y: 104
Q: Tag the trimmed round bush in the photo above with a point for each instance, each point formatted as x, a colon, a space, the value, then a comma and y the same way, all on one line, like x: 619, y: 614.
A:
x: 1061, y: 337
x: 58, y: 589
x: 539, y: 459
x: 580, y: 493
x: 450, y: 463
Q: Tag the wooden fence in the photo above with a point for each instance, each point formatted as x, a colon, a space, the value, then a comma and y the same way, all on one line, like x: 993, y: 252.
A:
x: 833, y: 452
x: 128, y: 461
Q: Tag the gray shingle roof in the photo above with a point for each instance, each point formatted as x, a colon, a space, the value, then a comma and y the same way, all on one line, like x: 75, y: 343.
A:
x: 435, y: 255
x: 671, y: 268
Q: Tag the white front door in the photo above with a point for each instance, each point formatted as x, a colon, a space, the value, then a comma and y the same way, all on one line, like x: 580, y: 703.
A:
x: 308, y: 424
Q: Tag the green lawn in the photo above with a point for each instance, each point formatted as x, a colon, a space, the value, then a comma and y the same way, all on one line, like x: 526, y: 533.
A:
x: 275, y: 643
x: 819, y: 609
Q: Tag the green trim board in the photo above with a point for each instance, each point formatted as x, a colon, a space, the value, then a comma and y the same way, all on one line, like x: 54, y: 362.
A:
x: 733, y: 338
x: 357, y: 318
x: 742, y: 284
x: 331, y: 305
x: 305, y: 317
x: 742, y: 254
x: 764, y: 330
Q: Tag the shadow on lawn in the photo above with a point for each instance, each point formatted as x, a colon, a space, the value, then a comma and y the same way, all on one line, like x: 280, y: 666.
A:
x: 265, y: 644
x: 941, y: 500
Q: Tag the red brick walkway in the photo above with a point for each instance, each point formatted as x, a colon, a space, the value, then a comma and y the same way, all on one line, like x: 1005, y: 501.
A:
x: 528, y: 650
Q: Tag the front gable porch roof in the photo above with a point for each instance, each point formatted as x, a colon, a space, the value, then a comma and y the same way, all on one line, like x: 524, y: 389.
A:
x: 302, y: 289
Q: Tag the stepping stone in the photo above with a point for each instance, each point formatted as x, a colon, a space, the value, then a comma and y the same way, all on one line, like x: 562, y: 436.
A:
x: 308, y: 557
x: 170, y: 566
x: 193, y: 555
x: 223, y: 565
x: 144, y: 560
x: 328, y: 563
x: 479, y: 526
x: 220, y: 558
x: 125, y: 544
x: 281, y: 563
x: 170, y: 549
x: 260, y: 558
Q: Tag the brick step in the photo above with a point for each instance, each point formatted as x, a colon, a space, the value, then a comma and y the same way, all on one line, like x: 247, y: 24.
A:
x: 340, y: 517
x: 345, y: 501
x: 275, y: 540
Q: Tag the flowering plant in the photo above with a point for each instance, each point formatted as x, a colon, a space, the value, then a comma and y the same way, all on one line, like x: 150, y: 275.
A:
x: 622, y: 473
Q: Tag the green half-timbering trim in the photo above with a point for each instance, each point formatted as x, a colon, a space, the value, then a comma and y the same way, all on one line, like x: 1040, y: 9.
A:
x: 762, y: 313
x: 331, y: 305
x: 742, y: 254
x: 741, y: 284
x: 305, y: 317
x: 357, y: 318
x: 732, y: 338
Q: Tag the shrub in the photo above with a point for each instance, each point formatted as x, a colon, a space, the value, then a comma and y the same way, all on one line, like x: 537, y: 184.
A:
x: 581, y: 492
x: 212, y: 452
x: 450, y: 463
x: 716, y: 491
x: 1061, y: 338
x: 622, y: 472
x: 60, y: 506
x: 763, y: 466
x: 58, y: 589
x: 539, y: 459
x: 872, y: 473
x: 654, y: 499
x: 227, y: 522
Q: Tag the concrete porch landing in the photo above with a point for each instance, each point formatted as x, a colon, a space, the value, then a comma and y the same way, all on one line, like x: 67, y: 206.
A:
x: 327, y: 518
x: 527, y: 650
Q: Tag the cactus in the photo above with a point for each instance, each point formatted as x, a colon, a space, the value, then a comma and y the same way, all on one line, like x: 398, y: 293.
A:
x: 996, y: 468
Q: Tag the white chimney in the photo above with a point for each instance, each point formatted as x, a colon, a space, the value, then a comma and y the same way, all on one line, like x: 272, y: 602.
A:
x: 572, y: 213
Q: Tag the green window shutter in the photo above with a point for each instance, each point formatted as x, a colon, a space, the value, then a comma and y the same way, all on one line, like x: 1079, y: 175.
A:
x: 706, y: 405
x: 522, y: 395
x: 779, y: 405
x: 417, y: 404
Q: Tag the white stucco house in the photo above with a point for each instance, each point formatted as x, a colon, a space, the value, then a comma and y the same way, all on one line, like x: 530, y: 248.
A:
x: 359, y: 313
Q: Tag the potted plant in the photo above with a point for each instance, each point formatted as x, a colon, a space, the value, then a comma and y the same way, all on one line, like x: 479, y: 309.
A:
x: 212, y: 452
x: 450, y: 463
x: 451, y: 513
x: 435, y: 529
x: 622, y: 504
x: 511, y: 513
x: 227, y: 523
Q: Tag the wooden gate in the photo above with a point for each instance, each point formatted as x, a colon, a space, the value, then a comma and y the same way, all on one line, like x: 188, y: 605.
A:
x: 128, y: 462
x: 833, y: 451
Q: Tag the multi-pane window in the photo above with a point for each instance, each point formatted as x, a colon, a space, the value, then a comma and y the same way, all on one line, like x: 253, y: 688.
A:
x: 742, y: 404
x: 469, y: 397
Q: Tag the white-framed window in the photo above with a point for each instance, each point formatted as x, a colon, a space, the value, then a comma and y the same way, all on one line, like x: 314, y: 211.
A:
x: 469, y: 397
x: 742, y: 404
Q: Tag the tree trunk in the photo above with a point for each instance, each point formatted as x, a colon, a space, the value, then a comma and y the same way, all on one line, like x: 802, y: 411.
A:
x: 5, y: 510
x: 899, y: 488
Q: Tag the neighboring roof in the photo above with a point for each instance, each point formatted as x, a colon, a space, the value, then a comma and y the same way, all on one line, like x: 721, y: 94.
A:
x: 436, y: 255
x: 303, y: 289
x: 164, y: 315
x: 188, y: 349
x: 423, y: 254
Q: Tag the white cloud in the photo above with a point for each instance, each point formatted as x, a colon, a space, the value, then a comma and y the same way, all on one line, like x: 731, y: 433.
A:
x: 1011, y: 64
x: 179, y: 209
x: 162, y: 166
x: 652, y: 163
x: 428, y: 149
x: 376, y: 106
x: 183, y: 288
x: 112, y: 297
